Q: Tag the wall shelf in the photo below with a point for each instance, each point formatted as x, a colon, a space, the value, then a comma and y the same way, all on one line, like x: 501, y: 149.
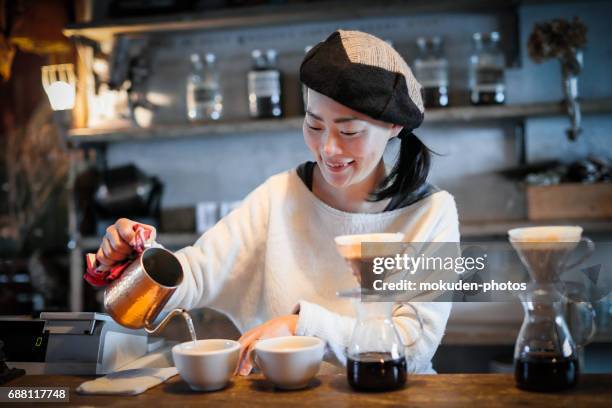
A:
x: 432, y: 116
x: 492, y: 229
x: 496, y: 334
x: 515, y: 111
x: 267, y: 15
x: 185, y: 130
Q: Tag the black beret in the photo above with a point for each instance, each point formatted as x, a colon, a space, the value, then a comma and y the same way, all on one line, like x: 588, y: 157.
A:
x: 364, y: 73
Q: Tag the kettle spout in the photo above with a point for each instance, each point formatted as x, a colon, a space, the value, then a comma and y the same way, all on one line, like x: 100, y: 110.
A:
x: 153, y: 330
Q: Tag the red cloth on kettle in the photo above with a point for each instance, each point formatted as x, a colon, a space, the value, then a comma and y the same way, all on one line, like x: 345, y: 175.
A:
x: 101, y: 275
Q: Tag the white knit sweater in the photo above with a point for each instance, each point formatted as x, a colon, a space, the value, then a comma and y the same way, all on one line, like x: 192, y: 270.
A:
x: 277, y: 251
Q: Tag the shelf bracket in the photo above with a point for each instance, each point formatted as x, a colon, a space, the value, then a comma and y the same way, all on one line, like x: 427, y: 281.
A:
x: 520, y: 143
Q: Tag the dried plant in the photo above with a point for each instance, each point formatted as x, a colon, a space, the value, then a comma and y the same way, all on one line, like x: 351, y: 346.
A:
x: 37, y: 163
x: 562, y: 40
x: 558, y: 38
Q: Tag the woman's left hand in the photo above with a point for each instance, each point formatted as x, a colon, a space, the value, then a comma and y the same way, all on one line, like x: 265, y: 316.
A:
x: 277, y: 327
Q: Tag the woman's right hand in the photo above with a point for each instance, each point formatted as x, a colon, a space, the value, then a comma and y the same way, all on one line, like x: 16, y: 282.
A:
x: 115, y: 245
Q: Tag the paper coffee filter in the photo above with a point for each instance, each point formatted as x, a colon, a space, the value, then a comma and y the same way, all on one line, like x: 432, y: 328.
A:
x: 349, y: 246
x: 547, y: 234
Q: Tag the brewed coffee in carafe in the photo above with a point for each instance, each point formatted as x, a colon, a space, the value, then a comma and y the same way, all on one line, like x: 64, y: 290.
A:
x: 545, y: 354
x: 376, y: 359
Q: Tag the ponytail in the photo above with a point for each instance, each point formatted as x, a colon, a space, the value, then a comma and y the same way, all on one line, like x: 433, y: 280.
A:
x: 410, y: 170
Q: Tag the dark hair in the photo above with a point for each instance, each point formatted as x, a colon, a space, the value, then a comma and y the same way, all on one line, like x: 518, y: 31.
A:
x: 410, y: 170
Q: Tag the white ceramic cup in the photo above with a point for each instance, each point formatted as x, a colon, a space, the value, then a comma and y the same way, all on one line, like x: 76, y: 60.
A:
x: 290, y: 362
x: 206, y: 365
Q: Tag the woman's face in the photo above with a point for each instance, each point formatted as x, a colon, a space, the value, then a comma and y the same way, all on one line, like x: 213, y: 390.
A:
x: 346, y: 144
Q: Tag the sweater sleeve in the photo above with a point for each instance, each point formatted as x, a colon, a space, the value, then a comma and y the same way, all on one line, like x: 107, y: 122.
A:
x: 336, y: 329
x: 227, y: 256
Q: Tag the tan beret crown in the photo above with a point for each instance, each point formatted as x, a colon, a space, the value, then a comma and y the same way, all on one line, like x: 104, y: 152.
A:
x: 364, y: 48
x: 364, y: 73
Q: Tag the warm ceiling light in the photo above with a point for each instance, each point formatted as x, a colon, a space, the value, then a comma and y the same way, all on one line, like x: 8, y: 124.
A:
x: 59, y: 84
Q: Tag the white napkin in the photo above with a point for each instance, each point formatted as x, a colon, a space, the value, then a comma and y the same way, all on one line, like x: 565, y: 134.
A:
x: 127, y: 382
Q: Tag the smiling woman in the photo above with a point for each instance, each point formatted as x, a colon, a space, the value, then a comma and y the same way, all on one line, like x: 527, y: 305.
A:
x: 271, y: 264
x: 348, y: 148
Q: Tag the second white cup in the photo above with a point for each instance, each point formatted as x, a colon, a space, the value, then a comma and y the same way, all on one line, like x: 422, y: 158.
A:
x: 290, y: 362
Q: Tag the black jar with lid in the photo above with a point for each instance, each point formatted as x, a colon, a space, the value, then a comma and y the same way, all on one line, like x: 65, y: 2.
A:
x: 264, y: 82
x: 487, y: 75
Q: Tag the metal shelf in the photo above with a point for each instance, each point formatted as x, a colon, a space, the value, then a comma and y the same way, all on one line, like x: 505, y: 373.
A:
x: 515, y: 111
x: 497, y: 334
x: 268, y: 15
x: 186, y: 130
x: 432, y: 116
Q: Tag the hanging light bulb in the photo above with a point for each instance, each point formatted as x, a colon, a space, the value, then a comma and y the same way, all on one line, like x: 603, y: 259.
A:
x: 59, y: 84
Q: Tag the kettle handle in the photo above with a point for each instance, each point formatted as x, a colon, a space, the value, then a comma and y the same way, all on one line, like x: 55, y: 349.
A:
x: 421, y: 327
x: 152, y: 330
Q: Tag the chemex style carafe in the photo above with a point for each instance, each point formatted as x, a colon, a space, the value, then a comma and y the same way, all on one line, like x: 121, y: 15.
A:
x: 137, y: 297
x: 545, y: 355
x: 376, y: 355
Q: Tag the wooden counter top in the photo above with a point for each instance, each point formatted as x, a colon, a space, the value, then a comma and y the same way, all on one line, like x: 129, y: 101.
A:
x: 332, y: 390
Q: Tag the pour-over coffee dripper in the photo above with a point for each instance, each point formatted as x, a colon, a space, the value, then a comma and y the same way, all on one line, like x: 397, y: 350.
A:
x: 545, y: 354
x: 361, y: 264
x: 544, y: 251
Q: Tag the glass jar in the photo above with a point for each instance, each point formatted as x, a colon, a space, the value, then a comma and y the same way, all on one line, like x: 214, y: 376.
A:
x: 204, y: 98
x: 264, y: 86
x: 431, y: 70
x: 487, y: 64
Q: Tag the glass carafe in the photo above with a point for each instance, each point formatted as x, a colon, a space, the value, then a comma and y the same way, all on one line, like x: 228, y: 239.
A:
x: 264, y: 83
x: 376, y: 355
x: 545, y: 355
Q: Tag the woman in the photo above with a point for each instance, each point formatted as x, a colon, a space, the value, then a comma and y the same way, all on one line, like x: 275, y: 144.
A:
x: 271, y: 265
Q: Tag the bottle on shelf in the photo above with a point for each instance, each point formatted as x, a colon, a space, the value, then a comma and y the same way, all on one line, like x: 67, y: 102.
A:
x: 264, y: 86
x: 204, y: 98
x: 431, y: 70
x: 487, y: 63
